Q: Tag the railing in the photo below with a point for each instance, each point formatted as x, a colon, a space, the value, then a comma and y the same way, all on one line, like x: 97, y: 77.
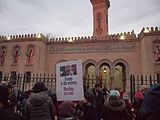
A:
x: 137, y: 81
x: 25, y: 83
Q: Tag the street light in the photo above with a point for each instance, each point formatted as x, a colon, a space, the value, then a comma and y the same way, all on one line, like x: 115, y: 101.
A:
x: 104, y: 70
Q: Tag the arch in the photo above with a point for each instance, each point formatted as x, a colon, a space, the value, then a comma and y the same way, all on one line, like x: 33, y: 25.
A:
x: 122, y: 62
x: 156, y: 41
x: 30, y: 47
x: 15, y: 54
x: 13, y: 75
x: 30, y: 52
x: 89, y: 62
x: 27, y: 76
x: 104, y: 69
x: 3, y: 48
x: 3, y: 52
x: 121, y: 73
x: 156, y: 50
x: 104, y: 61
x: 16, y: 46
x: 89, y: 72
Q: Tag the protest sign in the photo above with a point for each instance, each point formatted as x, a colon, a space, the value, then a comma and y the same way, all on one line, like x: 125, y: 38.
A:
x: 69, y: 81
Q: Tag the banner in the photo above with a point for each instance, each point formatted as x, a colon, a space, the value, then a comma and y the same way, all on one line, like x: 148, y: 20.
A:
x: 69, y: 81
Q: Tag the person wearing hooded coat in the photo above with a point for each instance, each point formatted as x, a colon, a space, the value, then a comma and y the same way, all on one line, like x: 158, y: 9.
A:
x: 89, y: 110
x: 39, y: 106
x: 115, y: 109
x: 150, y: 109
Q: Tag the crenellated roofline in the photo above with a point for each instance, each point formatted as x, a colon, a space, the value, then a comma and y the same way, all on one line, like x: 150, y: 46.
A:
x: 126, y: 36
x: 148, y: 31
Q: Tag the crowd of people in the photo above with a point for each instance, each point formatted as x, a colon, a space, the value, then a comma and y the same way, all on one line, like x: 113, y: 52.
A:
x: 99, y: 104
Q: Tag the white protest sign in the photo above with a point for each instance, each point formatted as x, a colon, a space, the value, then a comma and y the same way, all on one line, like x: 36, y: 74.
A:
x: 69, y: 81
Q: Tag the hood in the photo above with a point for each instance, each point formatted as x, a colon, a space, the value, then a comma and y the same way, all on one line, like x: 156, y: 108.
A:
x: 151, y: 100
x: 116, y: 105
x: 37, y: 99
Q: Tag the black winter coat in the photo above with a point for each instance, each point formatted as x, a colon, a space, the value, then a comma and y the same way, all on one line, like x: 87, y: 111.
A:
x: 6, y: 114
x: 89, y: 112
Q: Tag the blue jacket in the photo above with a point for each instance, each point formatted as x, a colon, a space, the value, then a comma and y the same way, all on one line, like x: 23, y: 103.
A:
x: 150, y: 109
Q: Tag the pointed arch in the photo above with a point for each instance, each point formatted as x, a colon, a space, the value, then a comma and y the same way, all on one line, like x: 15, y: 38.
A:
x: 3, y: 52
x: 121, y: 74
x: 16, y: 53
x: 30, y: 52
x: 87, y: 63
x: 156, y: 50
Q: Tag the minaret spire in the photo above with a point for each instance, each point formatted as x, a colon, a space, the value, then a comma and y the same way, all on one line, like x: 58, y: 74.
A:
x: 100, y: 17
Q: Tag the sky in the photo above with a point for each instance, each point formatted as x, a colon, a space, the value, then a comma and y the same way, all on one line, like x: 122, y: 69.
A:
x: 73, y: 18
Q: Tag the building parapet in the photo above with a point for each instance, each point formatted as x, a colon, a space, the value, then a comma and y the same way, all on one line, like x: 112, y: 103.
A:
x: 149, y: 31
x: 118, y: 36
x: 113, y: 37
x: 25, y: 36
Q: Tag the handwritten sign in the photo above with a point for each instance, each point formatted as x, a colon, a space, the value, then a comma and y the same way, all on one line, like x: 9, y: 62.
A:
x: 69, y: 83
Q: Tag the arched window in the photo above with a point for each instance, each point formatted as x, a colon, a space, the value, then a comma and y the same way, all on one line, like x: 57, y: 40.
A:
x: 2, y: 55
x: 30, y: 54
x: 156, y: 50
x: 13, y: 75
x: 16, y: 54
x: 28, y: 76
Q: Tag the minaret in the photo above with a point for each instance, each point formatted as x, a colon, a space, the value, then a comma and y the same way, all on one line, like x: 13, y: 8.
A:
x: 100, y: 17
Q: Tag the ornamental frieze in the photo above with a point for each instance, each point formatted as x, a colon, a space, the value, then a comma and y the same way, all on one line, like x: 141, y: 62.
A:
x: 93, y: 48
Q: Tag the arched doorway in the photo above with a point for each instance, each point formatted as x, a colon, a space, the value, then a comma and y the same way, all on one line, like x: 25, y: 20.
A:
x: 120, y: 76
x: 105, y: 75
x: 90, y: 75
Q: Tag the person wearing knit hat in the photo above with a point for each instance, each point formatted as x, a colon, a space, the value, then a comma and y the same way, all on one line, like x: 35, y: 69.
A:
x: 114, y: 94
x: 125, y: 96
x: 115, y: 108
x: 138, y: 95
x: 144, y: 89
x: 128, y: 103
x: 138, y: 100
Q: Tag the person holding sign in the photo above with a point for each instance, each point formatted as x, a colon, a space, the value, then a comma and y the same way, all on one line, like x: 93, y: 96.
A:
x: 69, y: 81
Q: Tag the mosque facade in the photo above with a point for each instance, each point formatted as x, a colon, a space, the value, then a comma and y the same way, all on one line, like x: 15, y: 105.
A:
x: 112, y: 58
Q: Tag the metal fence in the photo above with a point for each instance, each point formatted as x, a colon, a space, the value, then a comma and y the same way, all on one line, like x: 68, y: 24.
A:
x: 137, y: 81
x: 25, y: 82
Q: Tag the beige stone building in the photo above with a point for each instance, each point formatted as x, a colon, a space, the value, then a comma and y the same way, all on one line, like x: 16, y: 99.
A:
x: 112, y: 58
